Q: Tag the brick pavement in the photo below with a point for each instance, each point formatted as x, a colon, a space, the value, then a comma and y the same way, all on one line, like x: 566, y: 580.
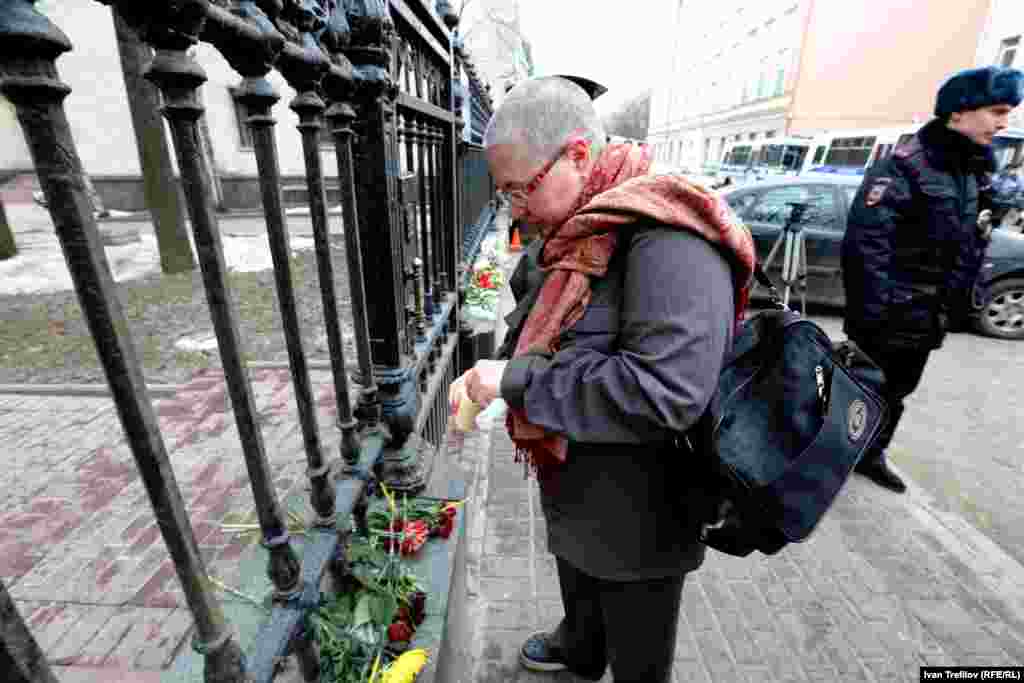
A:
x: 80, y: 550
x: 886, y: 584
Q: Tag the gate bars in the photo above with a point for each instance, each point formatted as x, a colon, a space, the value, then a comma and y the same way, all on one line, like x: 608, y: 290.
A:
x: 386, y: 77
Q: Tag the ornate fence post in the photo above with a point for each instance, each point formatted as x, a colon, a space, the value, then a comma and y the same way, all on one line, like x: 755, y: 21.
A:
x: 20, y: 656
x: 341, y: 116
x: 304, y: 71
x: 179, y: 76
x: 29, y: 46
x: 467, y: 342
x: 381, y: 235
x: 426, y: 251
x: 258, y: 96
x: 306, y: 75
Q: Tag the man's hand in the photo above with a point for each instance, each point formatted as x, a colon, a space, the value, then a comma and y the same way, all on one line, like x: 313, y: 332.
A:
x: 483, y: 381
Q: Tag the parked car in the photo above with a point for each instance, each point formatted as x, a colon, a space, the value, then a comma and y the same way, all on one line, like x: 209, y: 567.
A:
x: 765, y: 208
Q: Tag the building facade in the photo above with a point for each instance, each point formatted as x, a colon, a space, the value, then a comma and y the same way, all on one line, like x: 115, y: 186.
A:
x: 730, y: 78
x: 101, y: 123
x: 493, y: 34
x: 1001, y: 42
x: 750, y: 71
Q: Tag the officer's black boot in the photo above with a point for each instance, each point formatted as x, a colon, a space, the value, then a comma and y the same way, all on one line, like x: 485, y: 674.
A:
x: 877, y: 470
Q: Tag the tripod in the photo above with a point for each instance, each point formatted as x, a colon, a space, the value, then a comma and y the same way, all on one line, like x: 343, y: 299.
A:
x: 794, y: 255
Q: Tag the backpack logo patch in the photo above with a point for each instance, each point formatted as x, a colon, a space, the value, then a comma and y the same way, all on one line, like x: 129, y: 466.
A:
x: 856, y: 420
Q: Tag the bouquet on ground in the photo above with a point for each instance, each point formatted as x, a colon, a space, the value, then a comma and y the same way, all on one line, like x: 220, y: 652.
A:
x: 407, y: 525
x: 485, y: 286
x: 365, y: 630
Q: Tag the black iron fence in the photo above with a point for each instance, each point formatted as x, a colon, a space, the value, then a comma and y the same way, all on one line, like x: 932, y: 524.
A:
x: 385, y: 78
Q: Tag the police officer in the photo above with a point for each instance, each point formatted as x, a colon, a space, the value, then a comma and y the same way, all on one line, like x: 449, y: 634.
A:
x: 914, y: 243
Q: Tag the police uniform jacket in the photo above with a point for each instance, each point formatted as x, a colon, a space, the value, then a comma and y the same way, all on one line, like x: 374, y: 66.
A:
x: 912, y: 248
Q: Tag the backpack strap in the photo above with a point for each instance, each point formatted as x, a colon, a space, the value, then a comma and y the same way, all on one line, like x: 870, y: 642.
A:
x: 766, y: 282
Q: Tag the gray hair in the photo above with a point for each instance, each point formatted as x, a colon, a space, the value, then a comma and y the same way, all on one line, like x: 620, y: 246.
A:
x: 541, y: 113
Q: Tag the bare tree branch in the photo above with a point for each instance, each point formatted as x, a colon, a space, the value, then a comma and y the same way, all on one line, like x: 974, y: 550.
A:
x: 631, y: 119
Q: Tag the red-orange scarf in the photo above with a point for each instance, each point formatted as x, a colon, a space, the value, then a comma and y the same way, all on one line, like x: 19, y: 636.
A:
x: 618, y: 192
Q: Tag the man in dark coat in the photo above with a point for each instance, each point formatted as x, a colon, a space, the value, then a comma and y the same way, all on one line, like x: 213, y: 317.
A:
x: 914, y: 243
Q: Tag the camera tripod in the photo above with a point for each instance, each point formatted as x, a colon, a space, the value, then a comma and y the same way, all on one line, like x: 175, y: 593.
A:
x: 794, y: 255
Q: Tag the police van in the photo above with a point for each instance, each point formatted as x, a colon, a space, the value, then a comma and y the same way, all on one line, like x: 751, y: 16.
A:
x: 745, y: 161
x: 852, y: 152
x: 847, y: 152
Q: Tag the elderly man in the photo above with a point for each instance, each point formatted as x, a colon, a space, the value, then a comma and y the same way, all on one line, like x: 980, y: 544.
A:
x: 616, y: 346
x: 913, y: 245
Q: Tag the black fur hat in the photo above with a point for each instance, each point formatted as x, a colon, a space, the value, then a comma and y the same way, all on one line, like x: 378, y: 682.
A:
x: 977, y: 88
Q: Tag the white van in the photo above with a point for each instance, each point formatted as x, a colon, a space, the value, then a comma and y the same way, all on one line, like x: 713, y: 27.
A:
x: 851, y: 152
x: 760, y: 159
x: 846, y: 152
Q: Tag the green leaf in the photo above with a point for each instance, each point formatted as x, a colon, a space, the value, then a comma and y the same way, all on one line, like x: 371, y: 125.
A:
x: 383, y: 608
x: 366, y: 634
x: 364, y: 612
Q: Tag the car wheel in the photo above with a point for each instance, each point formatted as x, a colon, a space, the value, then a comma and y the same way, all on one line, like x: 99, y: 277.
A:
x: 1003, y: 313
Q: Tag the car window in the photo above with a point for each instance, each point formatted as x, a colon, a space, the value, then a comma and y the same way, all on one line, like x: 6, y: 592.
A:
x: 741, y: 202
x: 774, y: 206
x: 821, y: 209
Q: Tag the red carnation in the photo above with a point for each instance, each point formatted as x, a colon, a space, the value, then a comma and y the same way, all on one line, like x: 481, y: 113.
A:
x: 418, y: 600
x: 393, y: 541
x: 415, y: 536
x: 399, y: 632
x: 444, y: 526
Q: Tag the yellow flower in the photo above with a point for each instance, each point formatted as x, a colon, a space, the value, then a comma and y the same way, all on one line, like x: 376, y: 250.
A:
x: 406, y: 667
x: 391, y: 501
x: 373, y: 671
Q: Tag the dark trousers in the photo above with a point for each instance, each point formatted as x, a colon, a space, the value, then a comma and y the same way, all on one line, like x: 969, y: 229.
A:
x: 903, y: 369
x: 628, y: 624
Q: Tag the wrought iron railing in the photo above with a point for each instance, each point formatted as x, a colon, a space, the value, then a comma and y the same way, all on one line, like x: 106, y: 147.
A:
x: 416, y: 199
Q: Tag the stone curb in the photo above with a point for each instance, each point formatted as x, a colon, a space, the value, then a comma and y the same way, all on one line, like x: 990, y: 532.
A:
x: 82, y: 389
x: 144, y: 216
x: 997, y: 570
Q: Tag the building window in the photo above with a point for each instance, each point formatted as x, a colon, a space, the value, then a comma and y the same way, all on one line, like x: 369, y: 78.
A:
x: 738, y: 155
x: 780, y: 74
x: 849, y: 151
x: 1008, y: 51
x: 245, y: 139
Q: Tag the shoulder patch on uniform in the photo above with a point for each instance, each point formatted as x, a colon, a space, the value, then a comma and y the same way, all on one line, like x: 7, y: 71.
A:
x: 908, y: 149
x: 877, y: 191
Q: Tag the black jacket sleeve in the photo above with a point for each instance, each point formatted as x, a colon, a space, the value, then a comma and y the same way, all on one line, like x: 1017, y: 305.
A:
x: 880, y: 206
x: 968, y: 247
x: 656, y: 378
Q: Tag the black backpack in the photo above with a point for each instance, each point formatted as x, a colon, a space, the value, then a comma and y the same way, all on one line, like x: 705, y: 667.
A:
x: 792, y: 416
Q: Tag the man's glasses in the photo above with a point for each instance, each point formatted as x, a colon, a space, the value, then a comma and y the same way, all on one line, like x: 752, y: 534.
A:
x: 521, y: 195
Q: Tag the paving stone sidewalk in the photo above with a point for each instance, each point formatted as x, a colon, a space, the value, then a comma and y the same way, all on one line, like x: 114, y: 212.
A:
x: 80, y: 550
x: 885, y: 585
